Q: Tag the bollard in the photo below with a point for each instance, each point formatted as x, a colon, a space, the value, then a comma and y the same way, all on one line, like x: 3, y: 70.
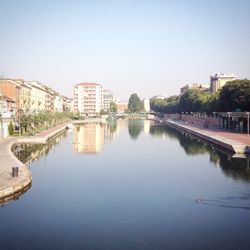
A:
x: 17, y: 171
x: 13, y: 172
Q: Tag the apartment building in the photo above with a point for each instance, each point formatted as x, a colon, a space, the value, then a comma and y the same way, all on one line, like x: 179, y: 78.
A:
x: 88, y: 98
x: 68, y: 104
x: 108, y: 97
x: 7, y: 105
x: 199, y: 86
x: 58, y: 103
x: 217, y: 81
x: 38, y: 97
x: 122, y: 106
x: 50, y: 96
x: 25, y: 94
x: 12, y: 90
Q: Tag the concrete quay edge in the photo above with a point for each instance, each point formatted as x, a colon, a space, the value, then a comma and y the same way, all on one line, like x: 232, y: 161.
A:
x: 24, y: 179
x: 229, y: 144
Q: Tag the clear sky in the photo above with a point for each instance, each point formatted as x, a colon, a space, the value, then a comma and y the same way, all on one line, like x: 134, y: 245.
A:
x: 148, y: 47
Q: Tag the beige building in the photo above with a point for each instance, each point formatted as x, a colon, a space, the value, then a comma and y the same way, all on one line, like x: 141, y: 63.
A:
x: 199, y: 86
x: 219, y: 80
x: 38, y: 97
x: 50, y: 96
x: 88, y: 98
x: 25, y: 95
x: 122, y: 106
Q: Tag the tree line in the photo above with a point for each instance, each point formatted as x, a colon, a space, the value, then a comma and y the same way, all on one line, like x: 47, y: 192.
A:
x: 234, y: 96
x: 27, y: 124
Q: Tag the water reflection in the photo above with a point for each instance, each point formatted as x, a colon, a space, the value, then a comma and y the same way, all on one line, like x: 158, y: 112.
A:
x: 143, y: 194
x: 14, y: 196
x: 27, y: 153
x: 89, y: 138
x: 232, y: 165
x: 135, y: 127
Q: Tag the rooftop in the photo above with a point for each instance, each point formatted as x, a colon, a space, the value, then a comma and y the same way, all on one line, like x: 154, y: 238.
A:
x: 224, y: 75
x: 88, y: 84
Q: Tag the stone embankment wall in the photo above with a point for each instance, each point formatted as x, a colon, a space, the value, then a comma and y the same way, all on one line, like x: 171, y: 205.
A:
x: 8, y: 184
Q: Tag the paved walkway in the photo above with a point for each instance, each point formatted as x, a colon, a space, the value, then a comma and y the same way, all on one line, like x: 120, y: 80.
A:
x: 242, y: 138
x: 239, y: 142
x: 8, y: 184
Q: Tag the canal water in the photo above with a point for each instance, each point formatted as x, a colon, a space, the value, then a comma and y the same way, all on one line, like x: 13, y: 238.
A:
x: 129, y: 185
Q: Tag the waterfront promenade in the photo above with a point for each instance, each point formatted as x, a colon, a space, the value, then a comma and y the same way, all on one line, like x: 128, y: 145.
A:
x: 234, y: 142
x: 10, y: 185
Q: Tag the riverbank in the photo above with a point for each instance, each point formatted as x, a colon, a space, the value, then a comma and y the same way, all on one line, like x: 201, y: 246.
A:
x: 11, y: 185
x: 234, y: 142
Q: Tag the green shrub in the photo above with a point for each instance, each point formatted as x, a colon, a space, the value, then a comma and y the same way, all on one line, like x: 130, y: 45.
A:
x: 10, y: 128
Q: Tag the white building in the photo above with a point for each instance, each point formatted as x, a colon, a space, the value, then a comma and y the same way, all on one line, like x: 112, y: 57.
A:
x: 219, y: 80
x: 58, y: 103
x: 146, y: 104
x: 108, y: 97
x: 88, y: 98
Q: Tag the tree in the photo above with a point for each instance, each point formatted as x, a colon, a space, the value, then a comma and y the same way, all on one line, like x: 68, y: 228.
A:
x: 10, y: 128
x: 102, y: 112
x: 235, y: 95
x: 135, y: 104
x: 113, y: 107
x: 193, y: 100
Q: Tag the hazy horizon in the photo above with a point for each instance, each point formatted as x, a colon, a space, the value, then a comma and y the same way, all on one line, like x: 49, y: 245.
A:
x: 146, y: 47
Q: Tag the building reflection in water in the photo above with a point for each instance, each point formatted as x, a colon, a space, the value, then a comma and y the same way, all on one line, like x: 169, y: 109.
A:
x: 147, y: 126
x: 89, y: 138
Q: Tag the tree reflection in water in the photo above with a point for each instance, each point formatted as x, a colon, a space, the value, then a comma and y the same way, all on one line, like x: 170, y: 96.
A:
x: 27, y: 153
x: 232, y: 166
x: 134, y: 128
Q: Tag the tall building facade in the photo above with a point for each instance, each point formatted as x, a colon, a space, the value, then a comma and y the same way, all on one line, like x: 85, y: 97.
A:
x: 146, y: 104
x: 38, y: 97
x: 108, y: 97
x: 88, y: 98
x: 219, y: 80
x: 25, y: 93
